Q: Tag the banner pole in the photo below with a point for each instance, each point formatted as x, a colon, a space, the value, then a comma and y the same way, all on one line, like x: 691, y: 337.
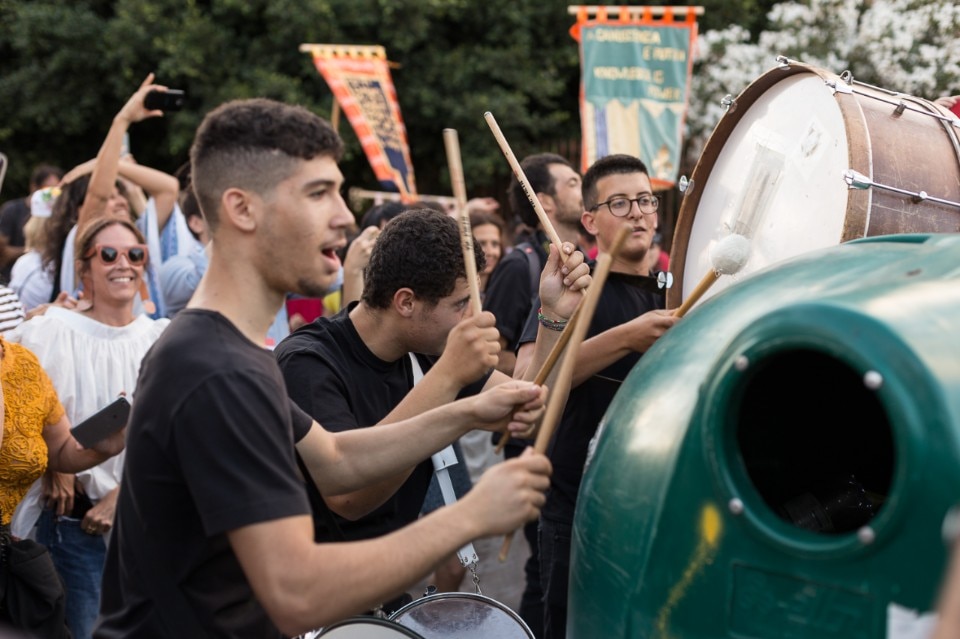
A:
x: 335, y: 115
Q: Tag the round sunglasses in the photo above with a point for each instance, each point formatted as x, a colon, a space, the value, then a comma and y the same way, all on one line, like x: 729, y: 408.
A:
x: 136, y: 254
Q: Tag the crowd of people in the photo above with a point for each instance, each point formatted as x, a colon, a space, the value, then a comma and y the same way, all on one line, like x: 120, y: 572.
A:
x: 276, y: 475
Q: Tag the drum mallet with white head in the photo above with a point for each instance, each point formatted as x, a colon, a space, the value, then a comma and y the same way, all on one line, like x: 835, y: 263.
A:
x: 727, y: 256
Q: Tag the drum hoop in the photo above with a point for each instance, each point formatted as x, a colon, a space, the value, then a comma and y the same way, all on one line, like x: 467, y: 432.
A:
x: 416, y: 603
x: 711, y: 153
x: 370, y: 621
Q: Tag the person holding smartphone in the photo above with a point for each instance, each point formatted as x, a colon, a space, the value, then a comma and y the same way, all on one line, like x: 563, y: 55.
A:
x: 97, y: 189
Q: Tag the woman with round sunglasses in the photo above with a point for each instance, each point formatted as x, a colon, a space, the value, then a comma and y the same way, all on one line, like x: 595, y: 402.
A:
x: 103, y: 186
x: 92, y: 355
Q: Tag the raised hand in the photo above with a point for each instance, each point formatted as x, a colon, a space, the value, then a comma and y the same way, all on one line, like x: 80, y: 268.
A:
x: 472, y: 349
x: 562, y: 282
x: 133, y: 110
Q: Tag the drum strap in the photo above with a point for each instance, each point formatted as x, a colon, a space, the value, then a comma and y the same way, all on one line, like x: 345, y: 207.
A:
x: 441, y: 462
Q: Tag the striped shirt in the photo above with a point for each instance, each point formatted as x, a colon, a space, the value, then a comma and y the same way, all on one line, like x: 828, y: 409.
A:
x: 11, y: 311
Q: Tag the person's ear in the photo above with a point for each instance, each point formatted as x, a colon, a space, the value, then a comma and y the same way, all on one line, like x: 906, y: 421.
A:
x: 548, y: 202
x: 239, y: 209
x: 404, y: 302
x: 197, y: 224
x: 588, y: 219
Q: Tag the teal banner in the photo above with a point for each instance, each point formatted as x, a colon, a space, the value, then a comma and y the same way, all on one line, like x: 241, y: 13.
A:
x: 635, y: 88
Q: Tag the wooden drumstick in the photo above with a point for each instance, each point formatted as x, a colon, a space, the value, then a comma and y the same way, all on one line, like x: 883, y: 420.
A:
x: 548, y: 365
x: 557, y: 401
x: 452, y: 144
x: 524, y: 182
x: 728, y: 256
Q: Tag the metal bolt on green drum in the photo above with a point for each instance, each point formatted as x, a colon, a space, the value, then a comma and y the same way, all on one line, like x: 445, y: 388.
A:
x: 779, y: 464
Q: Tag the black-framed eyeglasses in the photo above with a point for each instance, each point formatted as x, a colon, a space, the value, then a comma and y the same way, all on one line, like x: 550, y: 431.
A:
x: 620, y: 206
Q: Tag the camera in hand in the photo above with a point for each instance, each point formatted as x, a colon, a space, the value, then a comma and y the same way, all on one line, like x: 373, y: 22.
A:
x: 169, y: 100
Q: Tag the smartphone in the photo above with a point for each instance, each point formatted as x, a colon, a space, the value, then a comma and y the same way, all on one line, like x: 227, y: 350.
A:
x: 169, y: 100
x: 103, y: 423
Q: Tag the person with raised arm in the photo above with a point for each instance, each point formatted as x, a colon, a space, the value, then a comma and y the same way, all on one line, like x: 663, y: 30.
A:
x: 213, y: 535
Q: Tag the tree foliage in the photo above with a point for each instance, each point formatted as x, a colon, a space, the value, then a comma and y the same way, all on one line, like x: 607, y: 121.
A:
x: 68, y: 67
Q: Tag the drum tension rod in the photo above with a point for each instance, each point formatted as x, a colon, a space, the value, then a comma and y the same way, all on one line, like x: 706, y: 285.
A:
x: 859, y: 181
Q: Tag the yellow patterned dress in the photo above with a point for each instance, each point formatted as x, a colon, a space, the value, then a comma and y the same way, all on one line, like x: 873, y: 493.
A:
x: 30, y: 403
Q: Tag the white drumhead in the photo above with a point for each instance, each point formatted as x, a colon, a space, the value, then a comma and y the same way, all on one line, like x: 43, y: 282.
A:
x: 364, y: 628
x: 782, y: 165
x: 462, y: 615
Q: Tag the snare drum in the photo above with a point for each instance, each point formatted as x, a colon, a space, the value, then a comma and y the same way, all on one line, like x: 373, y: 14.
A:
x: 777, y: 169
x: 364, y: 628
x: 462, y: 615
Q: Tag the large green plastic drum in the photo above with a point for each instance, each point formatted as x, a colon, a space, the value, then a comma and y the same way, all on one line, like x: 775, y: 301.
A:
x: 780, y: 463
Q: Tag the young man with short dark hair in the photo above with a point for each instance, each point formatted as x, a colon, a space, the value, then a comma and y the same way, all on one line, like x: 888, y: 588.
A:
x: 627, y: 321
x: 355, y: 369
x: 212, y: 534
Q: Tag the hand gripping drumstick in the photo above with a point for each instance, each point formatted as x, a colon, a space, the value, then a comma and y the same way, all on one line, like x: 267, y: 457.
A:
x: 452, y: 144
x: 585, y: 310
x: 525, y: 183
x: 727, y: 256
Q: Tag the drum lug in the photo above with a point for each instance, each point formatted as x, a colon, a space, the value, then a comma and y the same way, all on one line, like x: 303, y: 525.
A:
x: 685, y: 184
x: 729, y: 103
x: 847, y: 76
x: 856, y: 180
x: 664, y: 279
x: 836, y: 87
x: 783, y: 62
x: 900, y: 109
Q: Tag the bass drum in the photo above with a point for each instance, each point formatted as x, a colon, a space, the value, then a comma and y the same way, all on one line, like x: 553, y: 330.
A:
x: 462, y: 615
x: 364, y: 628
x: 778, y: 165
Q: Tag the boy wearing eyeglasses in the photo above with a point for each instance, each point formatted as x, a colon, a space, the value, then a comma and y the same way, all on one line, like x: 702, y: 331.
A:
x: 628, y: 320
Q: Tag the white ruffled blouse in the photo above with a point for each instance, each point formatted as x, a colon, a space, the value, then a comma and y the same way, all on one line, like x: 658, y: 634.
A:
x: 90, y: 364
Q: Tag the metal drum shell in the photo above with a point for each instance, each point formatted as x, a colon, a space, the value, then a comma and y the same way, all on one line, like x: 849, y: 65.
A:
x: 668, y: 542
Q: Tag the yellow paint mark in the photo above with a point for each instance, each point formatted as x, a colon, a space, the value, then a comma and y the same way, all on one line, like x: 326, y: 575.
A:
x: 711, y: 527
x: 710, y: 524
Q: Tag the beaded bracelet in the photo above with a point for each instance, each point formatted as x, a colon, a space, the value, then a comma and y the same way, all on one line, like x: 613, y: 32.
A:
x: 546, y: 322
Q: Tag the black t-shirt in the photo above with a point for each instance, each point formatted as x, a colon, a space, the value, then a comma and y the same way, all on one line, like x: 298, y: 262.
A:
x: 209, y: 450
x: 509, y: 294
x: 619, y: 303
x: 332, y: 375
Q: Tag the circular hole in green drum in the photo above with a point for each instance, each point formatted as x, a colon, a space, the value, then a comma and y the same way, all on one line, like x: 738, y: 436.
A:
x: 814, y: 441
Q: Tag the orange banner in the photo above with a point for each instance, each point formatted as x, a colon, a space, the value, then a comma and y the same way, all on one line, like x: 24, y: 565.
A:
x: 359, y: 78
